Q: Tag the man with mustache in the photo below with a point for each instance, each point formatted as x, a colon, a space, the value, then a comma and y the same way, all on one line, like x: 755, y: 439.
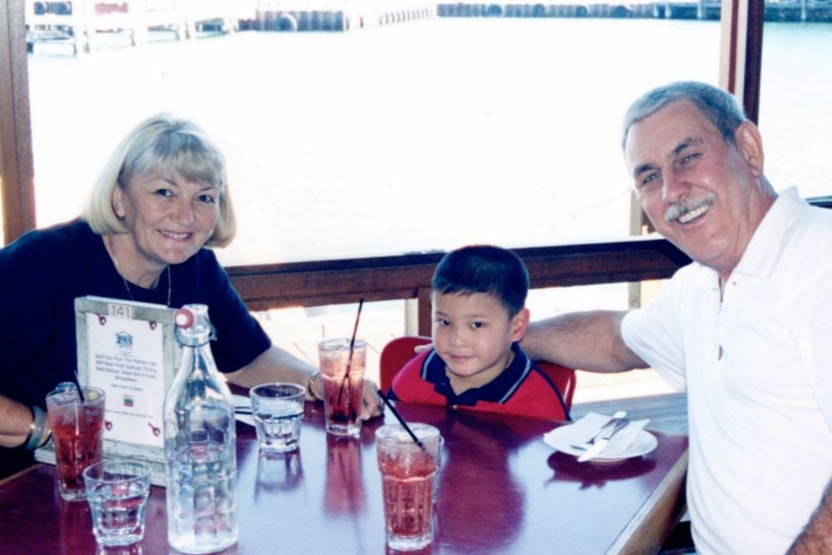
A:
x: 743, y: 329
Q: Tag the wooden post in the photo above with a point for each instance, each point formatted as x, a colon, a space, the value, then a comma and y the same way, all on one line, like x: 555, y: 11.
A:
x: 16, y: 161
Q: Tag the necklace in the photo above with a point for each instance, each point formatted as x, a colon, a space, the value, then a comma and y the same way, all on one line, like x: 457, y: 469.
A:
x: 130, y: 291
x: 112, y: 252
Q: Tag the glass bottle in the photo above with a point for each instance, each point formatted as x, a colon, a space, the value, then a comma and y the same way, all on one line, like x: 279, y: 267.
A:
x: 200, y: 444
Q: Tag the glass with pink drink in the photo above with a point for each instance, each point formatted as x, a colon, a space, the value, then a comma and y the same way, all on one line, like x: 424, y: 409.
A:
x: 342, y: 364
x: 77, y: 426
x: 409, y: 474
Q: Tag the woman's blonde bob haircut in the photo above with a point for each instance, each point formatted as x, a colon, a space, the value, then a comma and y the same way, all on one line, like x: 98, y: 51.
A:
x: 162, y: 142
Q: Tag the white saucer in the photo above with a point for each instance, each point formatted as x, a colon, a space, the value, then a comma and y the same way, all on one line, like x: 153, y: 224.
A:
x: 562, y: 439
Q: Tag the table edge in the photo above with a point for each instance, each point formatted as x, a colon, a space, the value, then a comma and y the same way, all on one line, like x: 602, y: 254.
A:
x: 646, y: 534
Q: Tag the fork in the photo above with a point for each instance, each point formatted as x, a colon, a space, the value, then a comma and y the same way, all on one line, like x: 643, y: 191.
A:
x: 617, y: 422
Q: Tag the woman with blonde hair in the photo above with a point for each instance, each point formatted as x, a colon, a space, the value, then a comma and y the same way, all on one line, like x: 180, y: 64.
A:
x: 160, y: 200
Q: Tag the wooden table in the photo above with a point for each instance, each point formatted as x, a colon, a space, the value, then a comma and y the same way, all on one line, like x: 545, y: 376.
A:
x: 502, y: 490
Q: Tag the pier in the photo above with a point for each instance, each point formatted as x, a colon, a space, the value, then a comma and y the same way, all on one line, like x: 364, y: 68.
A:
x: 76, y: 22
x: 788, y: 10
x: 328, y: 15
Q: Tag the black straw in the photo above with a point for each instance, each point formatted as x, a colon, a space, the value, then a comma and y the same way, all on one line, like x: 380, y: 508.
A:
x: 400, y: 419
x: 79, y: 388
x: 354, y: 332
x: 345, y: 381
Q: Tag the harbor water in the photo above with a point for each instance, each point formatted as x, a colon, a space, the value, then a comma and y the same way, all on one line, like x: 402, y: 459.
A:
x: 408, y: 136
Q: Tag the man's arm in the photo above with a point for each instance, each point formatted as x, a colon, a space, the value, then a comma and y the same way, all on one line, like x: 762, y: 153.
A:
x: 583, y: 340
x: 276, y: 364
x: 816, y: 538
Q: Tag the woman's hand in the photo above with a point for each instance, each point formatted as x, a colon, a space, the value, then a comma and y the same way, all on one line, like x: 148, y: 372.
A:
x: 371, y: 404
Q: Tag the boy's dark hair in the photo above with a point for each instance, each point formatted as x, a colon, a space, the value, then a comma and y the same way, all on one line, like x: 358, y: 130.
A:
x: 484, y: 269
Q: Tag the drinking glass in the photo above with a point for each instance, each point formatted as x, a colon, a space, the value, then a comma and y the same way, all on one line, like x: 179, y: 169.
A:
x: 409, y: 483
x: 277, y: 409
x: 77, y: 432
x: 117, y: 492
x: 342, y: 364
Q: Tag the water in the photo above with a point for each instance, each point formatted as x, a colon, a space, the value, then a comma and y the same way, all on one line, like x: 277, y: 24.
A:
x: 200, y: 447
x: 418, y: 136
x: 118, y: 515
x: 279, y: 428
x: 385, y: 140
x: 277, y: 411
x: 201, y: 506
x: 119, y: 520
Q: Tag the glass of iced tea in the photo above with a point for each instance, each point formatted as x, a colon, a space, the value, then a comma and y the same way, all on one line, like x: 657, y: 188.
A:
x: 342, y: 367
x: 409, y: 484
x: 77, y: 432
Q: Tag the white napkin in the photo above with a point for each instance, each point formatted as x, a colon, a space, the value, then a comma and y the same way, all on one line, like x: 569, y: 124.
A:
x: 242, y: 402
x: 583, y: 429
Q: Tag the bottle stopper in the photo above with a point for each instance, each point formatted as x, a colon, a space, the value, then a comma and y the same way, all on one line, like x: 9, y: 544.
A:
x: 183, y: 318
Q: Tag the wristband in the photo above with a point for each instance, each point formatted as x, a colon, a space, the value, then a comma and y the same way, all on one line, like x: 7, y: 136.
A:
x: 33, y: 440
x: 46, y: 439
x: 32, y: 427
x: 310, y: 386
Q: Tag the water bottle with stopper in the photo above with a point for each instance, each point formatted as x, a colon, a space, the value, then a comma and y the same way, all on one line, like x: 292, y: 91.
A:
x: 200, y: 444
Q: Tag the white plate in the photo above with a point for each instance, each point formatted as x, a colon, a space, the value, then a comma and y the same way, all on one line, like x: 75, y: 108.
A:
x: 562, y: 439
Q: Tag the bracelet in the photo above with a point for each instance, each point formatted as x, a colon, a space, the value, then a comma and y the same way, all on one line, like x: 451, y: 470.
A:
x: 309, y: 386
x: 32, y: 427
x: 45, y: 441
x: 33, y: 440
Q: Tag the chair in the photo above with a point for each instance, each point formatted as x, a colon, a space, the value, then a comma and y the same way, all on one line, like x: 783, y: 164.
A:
x: 398, y: 351
x: 395, y: 354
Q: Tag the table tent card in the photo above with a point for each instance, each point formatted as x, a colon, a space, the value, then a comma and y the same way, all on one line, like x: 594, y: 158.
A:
x: 129, y: 350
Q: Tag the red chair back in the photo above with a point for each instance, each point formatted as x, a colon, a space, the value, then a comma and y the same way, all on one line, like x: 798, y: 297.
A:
x: 563, y: 377
x: 395, y: 354
x: 398, y: 351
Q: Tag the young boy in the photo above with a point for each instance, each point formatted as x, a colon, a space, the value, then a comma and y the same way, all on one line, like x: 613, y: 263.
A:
x: 478, y: 297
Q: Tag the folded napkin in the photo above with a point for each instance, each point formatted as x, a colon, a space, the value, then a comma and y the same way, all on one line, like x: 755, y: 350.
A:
x: 583, y: 429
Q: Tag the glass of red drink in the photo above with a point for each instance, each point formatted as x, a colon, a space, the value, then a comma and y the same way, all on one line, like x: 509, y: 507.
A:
x: 409, y: 483
x: 342, y: 367
x: 77, y: 432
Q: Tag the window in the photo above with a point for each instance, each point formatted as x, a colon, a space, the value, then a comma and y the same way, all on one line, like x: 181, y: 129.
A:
x: 415, y: 135
x: 795, y: 105
x: 421, y: 135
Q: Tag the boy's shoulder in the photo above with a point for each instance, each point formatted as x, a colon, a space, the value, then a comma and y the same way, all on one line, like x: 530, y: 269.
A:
x: 411, y: 383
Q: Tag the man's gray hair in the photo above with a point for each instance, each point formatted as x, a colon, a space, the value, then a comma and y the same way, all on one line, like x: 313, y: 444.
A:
x: 718, y: 106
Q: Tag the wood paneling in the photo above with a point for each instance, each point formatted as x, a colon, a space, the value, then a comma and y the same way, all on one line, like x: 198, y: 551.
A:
x: 408, y: 276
